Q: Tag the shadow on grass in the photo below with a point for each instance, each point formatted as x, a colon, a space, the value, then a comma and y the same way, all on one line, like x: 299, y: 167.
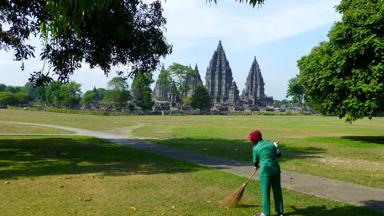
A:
x: 68, y: 155
x: 336, y: 211
x: 52, y: 156
x: 367, y: 139
x: 375, y: 204
x: 236, y: 149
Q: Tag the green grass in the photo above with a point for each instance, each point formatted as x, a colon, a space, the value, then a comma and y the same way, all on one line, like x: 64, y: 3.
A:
x: 11, y: 128
x: 316, y: 145
x: 319, y: 159
x: 93, y: 122
x: 88, y: 176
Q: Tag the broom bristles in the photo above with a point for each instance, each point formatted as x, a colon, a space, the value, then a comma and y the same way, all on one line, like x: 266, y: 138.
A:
x: 233, y: 199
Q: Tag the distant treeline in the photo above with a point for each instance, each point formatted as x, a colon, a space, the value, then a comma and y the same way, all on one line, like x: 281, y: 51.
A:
x: 14, y: 95
x: 67, y: 95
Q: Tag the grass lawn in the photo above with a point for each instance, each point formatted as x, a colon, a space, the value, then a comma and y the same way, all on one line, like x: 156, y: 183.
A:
x: 322, y: 146
x: 11, y: 128
x: 93, y: 122
x: 88, y: 176
x: 316, y: 145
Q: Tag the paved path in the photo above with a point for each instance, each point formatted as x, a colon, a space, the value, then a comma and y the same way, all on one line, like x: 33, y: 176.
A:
x: 331, y: 189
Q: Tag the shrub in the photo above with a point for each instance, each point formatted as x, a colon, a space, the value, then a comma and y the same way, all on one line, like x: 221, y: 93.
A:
x: 14, y: 99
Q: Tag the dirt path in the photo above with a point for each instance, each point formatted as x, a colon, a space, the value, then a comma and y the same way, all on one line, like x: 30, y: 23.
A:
x: 331, y: 189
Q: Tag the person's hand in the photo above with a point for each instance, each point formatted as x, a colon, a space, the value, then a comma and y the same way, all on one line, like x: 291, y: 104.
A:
x: 276, y: 143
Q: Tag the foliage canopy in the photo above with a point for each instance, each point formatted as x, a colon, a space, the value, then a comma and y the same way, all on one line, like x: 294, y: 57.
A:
x: 345, y: 75
x: 179, y: 74
x: 118, y: 92
x: 142, y: 92
x: 200, y: 99
x: 296, y: 90
x: 101, y: 33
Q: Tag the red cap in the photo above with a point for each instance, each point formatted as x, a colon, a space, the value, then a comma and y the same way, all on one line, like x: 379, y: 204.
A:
x: 255, y: 136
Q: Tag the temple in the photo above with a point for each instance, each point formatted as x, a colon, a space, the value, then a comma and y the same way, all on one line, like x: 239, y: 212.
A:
x: 220, y: 85
x: 253, y: 95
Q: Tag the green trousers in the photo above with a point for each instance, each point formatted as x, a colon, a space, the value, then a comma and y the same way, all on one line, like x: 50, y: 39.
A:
x: 266, y: 183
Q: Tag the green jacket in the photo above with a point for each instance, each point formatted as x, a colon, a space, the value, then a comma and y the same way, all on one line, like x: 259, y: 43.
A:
x: 265, y: 154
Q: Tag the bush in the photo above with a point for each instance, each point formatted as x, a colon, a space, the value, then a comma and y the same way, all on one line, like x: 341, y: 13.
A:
x: 14, y: 99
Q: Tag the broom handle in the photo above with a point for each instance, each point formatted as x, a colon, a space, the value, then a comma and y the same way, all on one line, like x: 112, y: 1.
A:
x: 250, y: 177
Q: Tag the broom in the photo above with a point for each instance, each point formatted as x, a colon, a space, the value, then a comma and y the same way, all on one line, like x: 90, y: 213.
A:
x: 233, y: 199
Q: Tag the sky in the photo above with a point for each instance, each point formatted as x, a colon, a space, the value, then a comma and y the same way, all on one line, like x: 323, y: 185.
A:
x: 277, y: 33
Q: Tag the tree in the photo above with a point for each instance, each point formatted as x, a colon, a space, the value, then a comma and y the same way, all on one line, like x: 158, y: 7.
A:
x: 37, y: 93
x: 281, y: 102
x: 33, y: 91
x: 88, y: 97
x: 179, y: 74
x: 142, y: 92
x: 201, y: 99
x: 14, y: 99
x: 72, y: 94
x: 296, y: 90
x: 100, y: 94
x: 93, y: 96
x: 101, y: 33
x: 344, y: 75
x: 186, y: 101
x: 118, y: 92
x: 53, y: 94
x: 2, y: 87
x: 13, y: 89
x: 166, y: 78
x: 63, y: 95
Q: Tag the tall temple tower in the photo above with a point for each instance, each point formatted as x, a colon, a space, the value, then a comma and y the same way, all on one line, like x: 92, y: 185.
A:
x: 220, y: 84
x: 219, y: 77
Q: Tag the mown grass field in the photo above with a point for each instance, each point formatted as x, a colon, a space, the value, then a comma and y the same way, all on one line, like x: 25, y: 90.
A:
x: 88, y: 176
x: 93, y: 122
x: 12, y: 128
x: 316, y: 145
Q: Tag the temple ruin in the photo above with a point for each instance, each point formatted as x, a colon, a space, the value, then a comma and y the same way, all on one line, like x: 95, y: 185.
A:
x: 220, y: 85
x: 253, y: 95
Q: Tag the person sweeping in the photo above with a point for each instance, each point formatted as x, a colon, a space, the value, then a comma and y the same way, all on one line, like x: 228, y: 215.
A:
x: 265, y: 154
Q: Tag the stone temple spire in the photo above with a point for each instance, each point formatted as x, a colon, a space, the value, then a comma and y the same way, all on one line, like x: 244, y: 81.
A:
x: 198, y: 74
x: 219, y: 76
x: 254, y: 86
x: 161, y: 91
x: 193, y: 80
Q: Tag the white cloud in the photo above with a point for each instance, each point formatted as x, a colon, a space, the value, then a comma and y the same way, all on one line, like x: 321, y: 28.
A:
x: 196, y: 19
x: 195, y: 26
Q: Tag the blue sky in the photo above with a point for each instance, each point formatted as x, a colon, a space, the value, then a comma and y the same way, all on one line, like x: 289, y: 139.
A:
x: 277, y: 34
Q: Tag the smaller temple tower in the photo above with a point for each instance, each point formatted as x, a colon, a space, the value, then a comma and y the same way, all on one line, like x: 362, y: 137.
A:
x: 161, y: 91
x: 253, y: 94
x: 193, y: 80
